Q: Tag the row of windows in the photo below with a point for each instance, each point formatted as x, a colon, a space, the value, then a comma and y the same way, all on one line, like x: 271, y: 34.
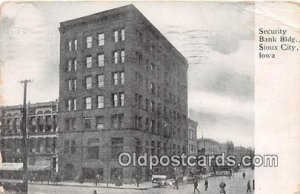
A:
x: 119, y: 35
x: 117, y: 99
x: 154, y: 126
x: 72, y: 83
x: 35, y: 124
x: 88, y: 102
x: 156, y: 89
x: 117, y: 147
x: 155, y: 147
x: 118, y: 57
x: 93, y: 148
x: 118, y: 78
x: 32, y: 112
x: 158, y: 146
x: 151, y: 106
x: 117, y: 122
x: 155, y: 69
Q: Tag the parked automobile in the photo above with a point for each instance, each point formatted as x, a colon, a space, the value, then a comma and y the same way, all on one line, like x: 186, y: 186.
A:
x: 160, y: 180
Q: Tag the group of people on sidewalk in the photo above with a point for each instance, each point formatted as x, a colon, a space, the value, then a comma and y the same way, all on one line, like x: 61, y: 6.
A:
x: 206, y: 184
x: 45, y: 177
x: 117, y: 180
x: 195, y: 185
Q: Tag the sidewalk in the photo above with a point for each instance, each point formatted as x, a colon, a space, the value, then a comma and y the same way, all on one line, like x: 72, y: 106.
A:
x: 143, y: 186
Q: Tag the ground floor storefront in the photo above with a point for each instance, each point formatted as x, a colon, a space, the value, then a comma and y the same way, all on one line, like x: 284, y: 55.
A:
x: 113, y: 173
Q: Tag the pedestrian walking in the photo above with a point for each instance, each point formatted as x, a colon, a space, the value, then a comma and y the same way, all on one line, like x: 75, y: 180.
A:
x: 176, y: 183
x: 253, y: 185
x: 30, y: 177
x: 229, y: 175
x: 57, y: 178
x: 97, y: 179
x: 206, y: 184
x: 196, y: 186
x: 137, y: 179
x: 244, y: 175
x: 119, y: 181
x: 248, y: 187
x: 34, y: 178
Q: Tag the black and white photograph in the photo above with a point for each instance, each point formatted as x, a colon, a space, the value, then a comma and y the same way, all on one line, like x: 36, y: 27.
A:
x: 132, y: 97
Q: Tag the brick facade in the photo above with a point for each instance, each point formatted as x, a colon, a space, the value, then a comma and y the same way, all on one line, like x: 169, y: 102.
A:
x: 42, y: 135
x: 140, y: 107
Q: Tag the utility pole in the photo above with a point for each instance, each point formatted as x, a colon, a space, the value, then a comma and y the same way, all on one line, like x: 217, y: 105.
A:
x: 24, y: 139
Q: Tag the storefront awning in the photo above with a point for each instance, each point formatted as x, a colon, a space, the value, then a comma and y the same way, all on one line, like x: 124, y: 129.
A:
x: 11, y: 166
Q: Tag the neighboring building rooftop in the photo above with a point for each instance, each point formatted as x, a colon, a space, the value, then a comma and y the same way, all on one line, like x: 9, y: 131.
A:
x: 39, y: 104
x: 5, y: 109
x: 207, y: 140
x: 192, y: 122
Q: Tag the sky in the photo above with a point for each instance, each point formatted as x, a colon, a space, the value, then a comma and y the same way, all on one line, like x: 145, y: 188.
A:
x: 216, y: 38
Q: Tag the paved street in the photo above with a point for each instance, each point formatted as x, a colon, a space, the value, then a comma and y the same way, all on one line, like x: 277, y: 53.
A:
x: 235, y: 185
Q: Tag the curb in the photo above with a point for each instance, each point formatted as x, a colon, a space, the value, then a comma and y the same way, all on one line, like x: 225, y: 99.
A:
x: 77, y: 185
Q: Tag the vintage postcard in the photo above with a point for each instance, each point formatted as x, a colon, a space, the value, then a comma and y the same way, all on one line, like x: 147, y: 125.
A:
x: 150, y: 97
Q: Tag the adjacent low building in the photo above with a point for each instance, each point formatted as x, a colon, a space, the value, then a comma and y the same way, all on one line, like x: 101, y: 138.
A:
x: 192, y: 137
x: 211, y: 147
x: 42, y: 138
x: 208, y: 146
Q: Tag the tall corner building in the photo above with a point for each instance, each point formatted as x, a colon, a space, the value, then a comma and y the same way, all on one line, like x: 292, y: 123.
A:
x: 123, y: 88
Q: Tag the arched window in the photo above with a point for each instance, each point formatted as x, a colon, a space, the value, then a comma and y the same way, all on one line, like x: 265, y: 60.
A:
x: 40, y: 112
x: 47, y: 112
